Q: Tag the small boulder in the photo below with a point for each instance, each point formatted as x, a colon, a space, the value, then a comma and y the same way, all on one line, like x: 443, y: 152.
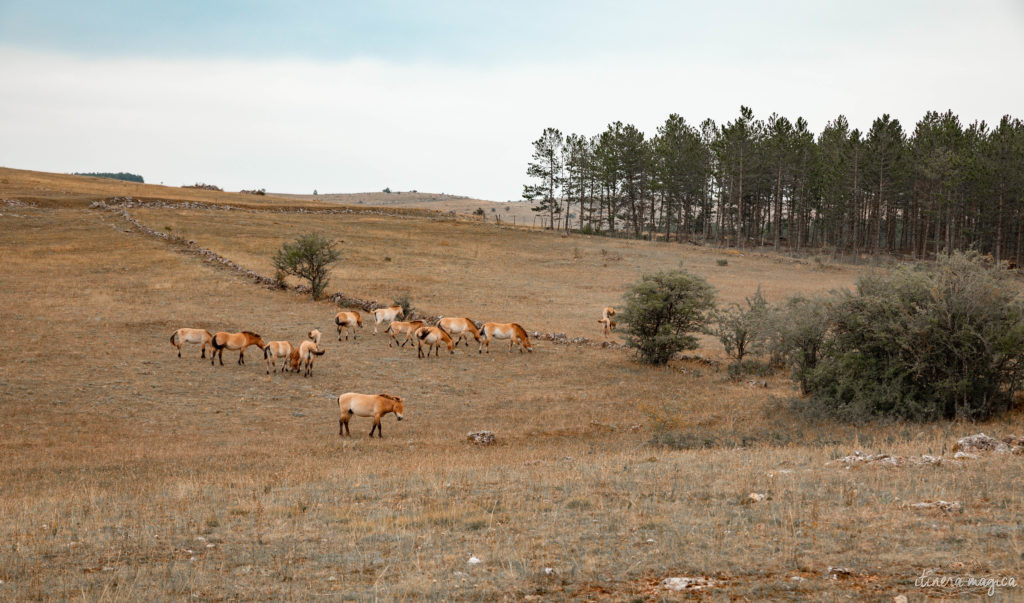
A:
x: 980, y: 442
x: 686, y: 583
x: 481, y: 438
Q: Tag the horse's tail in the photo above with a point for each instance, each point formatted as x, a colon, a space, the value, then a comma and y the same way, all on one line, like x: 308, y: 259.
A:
x: 337, y: 320
x: 174, y: 336
x: 266, y: 353
x: 318, y: 352
x: 215, y: 344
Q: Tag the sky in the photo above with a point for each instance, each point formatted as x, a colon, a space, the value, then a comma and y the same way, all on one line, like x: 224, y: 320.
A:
x: 447, y: 97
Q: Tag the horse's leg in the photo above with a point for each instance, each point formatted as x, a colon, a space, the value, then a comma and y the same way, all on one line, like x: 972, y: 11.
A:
x: 179, y: 351
x: 203, y: 355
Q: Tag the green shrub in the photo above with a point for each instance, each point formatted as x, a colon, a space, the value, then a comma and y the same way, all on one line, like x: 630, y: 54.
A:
x: 795, y: 335
x: 941, y: 342
x: 662, y: 310
x: 309, y: 257
x: 742, y: 329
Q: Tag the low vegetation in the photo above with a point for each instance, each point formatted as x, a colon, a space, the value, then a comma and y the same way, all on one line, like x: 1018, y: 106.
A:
x: 309, y: 257
x: 663, y: 312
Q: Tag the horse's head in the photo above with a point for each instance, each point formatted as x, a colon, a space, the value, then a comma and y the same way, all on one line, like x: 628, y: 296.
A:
x: 256, y: 339
x: 359, y: 320
x: 401, y: 312
x: 397, y: 407
x: 315, y: 336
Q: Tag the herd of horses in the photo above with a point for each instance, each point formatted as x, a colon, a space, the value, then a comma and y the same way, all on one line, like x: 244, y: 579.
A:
x: 449, y: 332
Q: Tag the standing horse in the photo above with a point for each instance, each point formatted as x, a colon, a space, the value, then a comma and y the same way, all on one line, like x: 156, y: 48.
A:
x: 397, y: 327
x: 386, y: 314
x: 509, y: 330
x: 348, y: 320
x: 367, y: 405
x: 607, y: 322
x: 307, y: 352
x: 432, y: 337
x: 275, y: 350
x: 459, y: 326
x: 183, y: 336
x: 234, y: 341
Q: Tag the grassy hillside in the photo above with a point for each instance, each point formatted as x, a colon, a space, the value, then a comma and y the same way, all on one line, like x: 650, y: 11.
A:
x: 130, y: 473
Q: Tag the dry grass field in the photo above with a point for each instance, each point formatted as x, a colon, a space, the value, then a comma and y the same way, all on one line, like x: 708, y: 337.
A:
x: 130, y: 474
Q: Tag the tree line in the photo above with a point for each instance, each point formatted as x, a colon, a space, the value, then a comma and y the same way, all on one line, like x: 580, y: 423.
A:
x: 126, y: 176
x: 772, y: 182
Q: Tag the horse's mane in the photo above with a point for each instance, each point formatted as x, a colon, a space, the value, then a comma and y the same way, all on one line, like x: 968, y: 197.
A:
x: 519, y: 330
x: 390, y: 397
x: 250, y: 333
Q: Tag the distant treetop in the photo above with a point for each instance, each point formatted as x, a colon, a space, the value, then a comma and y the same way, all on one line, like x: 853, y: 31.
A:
x: 115, y: 176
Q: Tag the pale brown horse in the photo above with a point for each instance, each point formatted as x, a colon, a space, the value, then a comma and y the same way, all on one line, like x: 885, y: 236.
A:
x: 275, y: 350
x: 461, y: 327
x: 348, y: 320
x: 367, y: 405
x: 307, y: 352
x: 386, y: 314
x: 183, y: 336
x: 607, y: 322
x: 432, y: 338
x: 234, y: 341
x: 398, y: 327
x: 508, y: 330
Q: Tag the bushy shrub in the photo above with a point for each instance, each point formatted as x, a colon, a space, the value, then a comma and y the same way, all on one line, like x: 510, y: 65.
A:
x: 742, y: 329
x: 404, y: 301
x: 309, y: 257
x: 795, y: 334
x: 941, y: 342
x: 662, y: 310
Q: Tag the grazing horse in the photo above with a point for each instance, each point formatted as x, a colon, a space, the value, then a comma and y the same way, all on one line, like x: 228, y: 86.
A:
x: 509, y: 330
x: 234, y: 341
x: 386, y: 314
x: 348, y: 320
x: 397, y: 327
x: 183, y: 336
x: 607, y: 322
x: 275, y: 350
x: 307, y: 352
x: 459, y: 326
x: 432, y: 337
x: 367, y: 405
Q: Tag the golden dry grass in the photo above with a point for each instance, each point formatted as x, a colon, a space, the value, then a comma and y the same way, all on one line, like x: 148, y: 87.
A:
x: 130, y: 473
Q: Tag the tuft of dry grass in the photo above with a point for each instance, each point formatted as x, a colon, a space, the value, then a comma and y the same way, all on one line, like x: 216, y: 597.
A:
x: 130, y: 473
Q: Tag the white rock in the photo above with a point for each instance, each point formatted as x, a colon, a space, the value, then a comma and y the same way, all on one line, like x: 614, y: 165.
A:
x: 686, y: 583
x: 473, y: 560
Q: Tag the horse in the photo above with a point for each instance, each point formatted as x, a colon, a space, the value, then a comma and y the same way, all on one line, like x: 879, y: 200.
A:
x: 348, y: 320
x: 275, y: 350
x: 397, y: 327
x: 367, y: 405
x: 183, y: 336
x: 510, y: 330
x: 234, y: 341
x: 607, y: 322
x: 432, y: 337
x: 460, y: 326
x: 307, y: 352
x: 388, y: 314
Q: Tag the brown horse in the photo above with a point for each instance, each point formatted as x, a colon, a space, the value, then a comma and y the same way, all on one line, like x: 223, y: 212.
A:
x: 275, y: 350
x: 348, y: 320
x: 367, y: 405
x: 509, y: 330
x: 461, y: 327
x: 183, y: 336
x: 432, y: 338
x: 234, y: 341
x: 306, y: 353
x: 397, y: 327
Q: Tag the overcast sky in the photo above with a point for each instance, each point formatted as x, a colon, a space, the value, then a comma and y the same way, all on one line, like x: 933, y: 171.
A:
x: 447, y: 96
